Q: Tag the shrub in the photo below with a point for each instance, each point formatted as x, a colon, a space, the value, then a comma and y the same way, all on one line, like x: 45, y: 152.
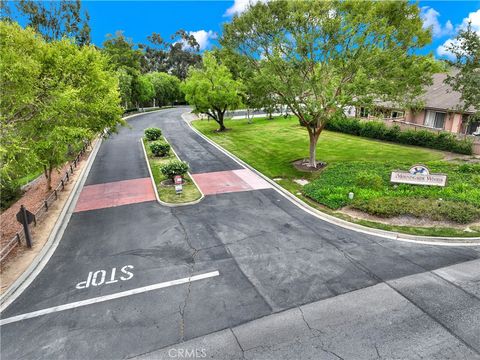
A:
x: 384, y: 207
x: 153, y: 134
x: 388, y: 207
x: 9, y: 192
x: 368, y: 180
x: 378, y: 130
x: 159, y: 148
x: 173, y: 168
x: 458, y: 212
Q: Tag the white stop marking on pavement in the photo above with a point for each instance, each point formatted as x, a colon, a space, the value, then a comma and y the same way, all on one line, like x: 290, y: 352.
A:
x: 100, y: 277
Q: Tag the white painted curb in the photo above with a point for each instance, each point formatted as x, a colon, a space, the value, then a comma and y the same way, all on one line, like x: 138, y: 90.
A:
x: 391, y: 235
x: 155, y: 186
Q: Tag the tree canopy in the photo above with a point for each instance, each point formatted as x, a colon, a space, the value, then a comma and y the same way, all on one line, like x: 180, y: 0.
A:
x: 466, y: 75
x: 54, y: 94
x: 174, y: 57
x: 321, y: 56
x: 166, y: 88
x: 212, y: 89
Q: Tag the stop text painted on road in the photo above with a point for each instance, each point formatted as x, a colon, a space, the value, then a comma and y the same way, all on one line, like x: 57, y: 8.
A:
x: 99, y: 277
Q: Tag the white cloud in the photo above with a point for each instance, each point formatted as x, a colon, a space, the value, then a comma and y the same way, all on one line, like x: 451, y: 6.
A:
x: 203, y: 37
x: 474, y: 19
x: 240, y: 6
x: 430, y: 20
x: 443, y: 51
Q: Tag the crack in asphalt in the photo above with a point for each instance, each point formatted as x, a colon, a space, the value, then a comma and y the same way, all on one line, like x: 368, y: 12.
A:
x: 238, y: 342
x: 181, y: 309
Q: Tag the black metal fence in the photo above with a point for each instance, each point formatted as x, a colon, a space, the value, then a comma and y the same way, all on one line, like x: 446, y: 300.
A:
x: 41, y: 212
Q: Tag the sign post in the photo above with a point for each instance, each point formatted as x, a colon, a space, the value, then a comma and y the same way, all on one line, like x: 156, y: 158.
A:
x: 178, y: 184
x: 25, y: 217
x: 418, y: 175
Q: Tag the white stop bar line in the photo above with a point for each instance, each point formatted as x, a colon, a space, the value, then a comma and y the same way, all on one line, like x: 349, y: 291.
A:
x: 108, y: 297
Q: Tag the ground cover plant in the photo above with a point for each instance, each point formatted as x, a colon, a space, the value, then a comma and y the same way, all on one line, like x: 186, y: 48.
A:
x: 459, y: 201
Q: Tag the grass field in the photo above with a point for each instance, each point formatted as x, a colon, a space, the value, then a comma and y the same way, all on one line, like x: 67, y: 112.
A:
x: 272, y: 145
x: 167, y: 193
x: 354, y: 164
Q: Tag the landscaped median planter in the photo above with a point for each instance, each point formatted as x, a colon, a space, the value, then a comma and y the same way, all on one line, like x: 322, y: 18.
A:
x: 355, y: 185
x: 166, y: 160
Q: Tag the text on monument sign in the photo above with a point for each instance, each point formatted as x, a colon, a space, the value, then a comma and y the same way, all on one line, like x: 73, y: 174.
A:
x: 418, y: 175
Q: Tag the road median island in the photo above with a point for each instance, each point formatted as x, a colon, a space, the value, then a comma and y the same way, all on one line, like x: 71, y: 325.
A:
x: 164, y: 186
x: 237, y: 145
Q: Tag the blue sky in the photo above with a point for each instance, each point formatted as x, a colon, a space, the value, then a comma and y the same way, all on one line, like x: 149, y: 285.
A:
x: 204, y: 19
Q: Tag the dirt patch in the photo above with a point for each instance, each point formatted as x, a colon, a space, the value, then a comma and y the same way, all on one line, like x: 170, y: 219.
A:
x: 304, y: 165
x: 406, y: 220
x: 21, y: 257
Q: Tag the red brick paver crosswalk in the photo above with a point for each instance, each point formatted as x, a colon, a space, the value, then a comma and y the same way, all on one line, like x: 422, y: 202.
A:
x: 116, y: 193
x: 220, y: 182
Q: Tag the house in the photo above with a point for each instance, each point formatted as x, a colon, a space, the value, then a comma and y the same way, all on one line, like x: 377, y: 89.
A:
x: 441, y: 110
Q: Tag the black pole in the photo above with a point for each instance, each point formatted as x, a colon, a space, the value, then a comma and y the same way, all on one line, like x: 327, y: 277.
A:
x: 28, y: 237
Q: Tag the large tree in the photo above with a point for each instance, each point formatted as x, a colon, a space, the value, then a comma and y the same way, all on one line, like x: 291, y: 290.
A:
x: 144, y: 92
x: 54, y: 94
x: 173, y: 57
x: 321, y: 56
x: 125, y: 58
x: 166, y: 87
x: 466, y: 77
x: 212, y: 90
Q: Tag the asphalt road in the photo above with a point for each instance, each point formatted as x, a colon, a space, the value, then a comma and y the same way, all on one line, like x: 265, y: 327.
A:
x: 271, y: 256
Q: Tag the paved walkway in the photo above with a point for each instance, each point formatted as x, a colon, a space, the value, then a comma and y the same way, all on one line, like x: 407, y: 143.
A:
x: 118, y: 284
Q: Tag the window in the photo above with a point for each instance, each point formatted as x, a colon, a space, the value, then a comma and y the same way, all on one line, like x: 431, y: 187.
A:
x: 363, y: 112
x: 435, y: 119
x: 471, y: 126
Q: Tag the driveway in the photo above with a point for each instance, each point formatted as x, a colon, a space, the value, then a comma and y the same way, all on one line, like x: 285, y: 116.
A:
x: 117, y: 285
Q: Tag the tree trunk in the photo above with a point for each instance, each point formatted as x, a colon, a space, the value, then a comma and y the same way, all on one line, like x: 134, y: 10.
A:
x: 313, y: 134
x: 220, y: 115
x: 48, y: 175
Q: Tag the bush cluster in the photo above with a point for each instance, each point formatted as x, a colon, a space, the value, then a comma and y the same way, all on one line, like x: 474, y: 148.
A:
x: 374, y: 194
x: 430, y: 208
x: 159, y: 148
x: 378, y: 130
x: 153, y: 134
x: 173, y: 168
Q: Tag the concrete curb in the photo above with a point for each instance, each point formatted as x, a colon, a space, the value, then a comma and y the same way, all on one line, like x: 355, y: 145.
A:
x: 155, y: 186
x: 391, y: 235
x: 54, y: 238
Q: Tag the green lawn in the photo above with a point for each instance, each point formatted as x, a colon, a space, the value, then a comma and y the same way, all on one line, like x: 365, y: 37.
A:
x: 167, y: 193
x: 271, y: 146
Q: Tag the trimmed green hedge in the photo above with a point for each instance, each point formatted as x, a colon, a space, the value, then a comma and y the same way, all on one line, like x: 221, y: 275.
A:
x: 159, y: 148
x: 153, y: 134
x: 173, y: 168
x: 378, y: 130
